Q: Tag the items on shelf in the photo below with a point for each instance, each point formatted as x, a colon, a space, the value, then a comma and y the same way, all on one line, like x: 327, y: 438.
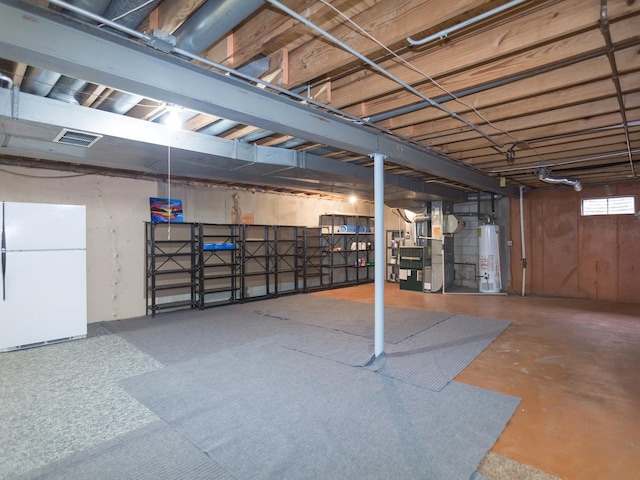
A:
x: 218, y: 246
x: 349, y: 249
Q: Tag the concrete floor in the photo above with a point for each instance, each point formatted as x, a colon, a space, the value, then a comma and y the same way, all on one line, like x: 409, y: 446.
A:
x: 574, y: 363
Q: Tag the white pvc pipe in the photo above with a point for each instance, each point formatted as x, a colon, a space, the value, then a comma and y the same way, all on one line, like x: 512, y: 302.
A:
x: 444, y: 280
x: 378, y: 200
x: 524, y: 256
x: 443, y: 34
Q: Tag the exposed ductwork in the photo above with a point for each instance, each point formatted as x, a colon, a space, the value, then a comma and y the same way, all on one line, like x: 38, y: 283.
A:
x: 544, y: 175
x: 38, y: 81
x: 47, y: 83
x: 56, y: 86
x: 212, y: 21
x: 120, y: 102
x: 130, y: 13
x: 66, y: 89
x: 95, y: 6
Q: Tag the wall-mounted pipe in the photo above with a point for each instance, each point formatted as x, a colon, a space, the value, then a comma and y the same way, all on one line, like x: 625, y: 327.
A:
x: 524, y: 254
x: 443, y: 33
x: 604, y: 28
x: 544, y: 175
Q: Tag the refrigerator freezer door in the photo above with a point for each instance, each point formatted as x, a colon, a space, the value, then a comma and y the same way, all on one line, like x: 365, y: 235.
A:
x: 46, y: 298
x: 41, y: 226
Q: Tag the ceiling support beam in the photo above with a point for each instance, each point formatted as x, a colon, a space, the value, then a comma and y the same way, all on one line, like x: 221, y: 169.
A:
x: 39, y: 119
x: 48, y: 40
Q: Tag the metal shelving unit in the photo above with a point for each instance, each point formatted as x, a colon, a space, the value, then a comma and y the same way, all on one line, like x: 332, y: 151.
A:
x: 288, y: 267
x: 171, y: 266
x: 219, y: 270
x: 349, y: 241
x: 258, y: 266
x: 311, y: 248
x: 393, y: 240
x: 270, y: 263
x: 203, y: 265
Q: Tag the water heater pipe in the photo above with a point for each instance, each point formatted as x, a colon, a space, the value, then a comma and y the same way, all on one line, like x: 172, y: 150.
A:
x: 524, y: 256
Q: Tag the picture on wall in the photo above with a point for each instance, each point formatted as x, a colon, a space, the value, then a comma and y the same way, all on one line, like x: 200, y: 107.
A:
x: 166, y: 210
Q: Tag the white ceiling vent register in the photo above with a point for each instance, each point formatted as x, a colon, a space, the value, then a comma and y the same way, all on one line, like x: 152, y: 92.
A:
x: 76, y: 137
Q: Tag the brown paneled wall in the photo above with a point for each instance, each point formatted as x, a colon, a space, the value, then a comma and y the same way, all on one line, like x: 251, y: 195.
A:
x: 569, y: 255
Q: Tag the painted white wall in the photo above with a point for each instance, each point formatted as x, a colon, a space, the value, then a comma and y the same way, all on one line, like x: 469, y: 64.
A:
x: 118, y: 207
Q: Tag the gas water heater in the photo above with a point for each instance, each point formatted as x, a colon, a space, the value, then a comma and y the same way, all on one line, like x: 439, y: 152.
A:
x: 489, y: 245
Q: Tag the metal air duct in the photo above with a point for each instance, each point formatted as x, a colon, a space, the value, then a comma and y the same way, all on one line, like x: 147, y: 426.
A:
x: 38, y: 81
x: 212, y: 21
x: 66, y: 89
x: 207, y: 25
x: 41, y: 82
x: 129, y: 13
x: 544, y: 175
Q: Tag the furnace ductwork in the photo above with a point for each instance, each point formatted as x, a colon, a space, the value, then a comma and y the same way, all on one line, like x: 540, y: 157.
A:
x: 544, y: 175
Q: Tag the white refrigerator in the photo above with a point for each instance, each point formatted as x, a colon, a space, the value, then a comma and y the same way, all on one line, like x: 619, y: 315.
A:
x: 44, y: 275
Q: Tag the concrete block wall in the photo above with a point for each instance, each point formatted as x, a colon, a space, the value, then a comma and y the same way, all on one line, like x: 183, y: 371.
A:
x: 465, y: 245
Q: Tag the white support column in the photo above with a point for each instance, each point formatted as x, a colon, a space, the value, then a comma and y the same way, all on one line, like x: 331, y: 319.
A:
x: 378, y: 198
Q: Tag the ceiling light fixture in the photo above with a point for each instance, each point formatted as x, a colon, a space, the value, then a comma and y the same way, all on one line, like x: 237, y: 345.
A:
x: 173, y: 116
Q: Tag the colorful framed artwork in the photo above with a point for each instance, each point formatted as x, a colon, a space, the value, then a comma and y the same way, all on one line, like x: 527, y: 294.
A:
x: 166, y: 210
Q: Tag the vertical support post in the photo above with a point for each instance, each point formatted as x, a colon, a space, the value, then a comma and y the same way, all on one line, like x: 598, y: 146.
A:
x: 378, y: 199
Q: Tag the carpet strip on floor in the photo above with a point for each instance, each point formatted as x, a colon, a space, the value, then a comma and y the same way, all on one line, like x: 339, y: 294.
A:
x: 432, y: 358
x: 263, y: 411
x: 153, y: 452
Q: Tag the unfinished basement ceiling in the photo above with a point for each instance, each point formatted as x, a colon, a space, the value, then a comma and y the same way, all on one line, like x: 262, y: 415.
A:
x: 297, y: 95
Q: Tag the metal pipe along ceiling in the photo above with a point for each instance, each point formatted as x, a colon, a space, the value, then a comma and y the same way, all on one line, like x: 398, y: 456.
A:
x: 383, y: 71
x: 443, y: 34
x: 604, y: 28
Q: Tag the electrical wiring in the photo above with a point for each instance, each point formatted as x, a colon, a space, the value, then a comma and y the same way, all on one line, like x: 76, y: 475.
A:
x: 45, y: 177
x: 431, y: 79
